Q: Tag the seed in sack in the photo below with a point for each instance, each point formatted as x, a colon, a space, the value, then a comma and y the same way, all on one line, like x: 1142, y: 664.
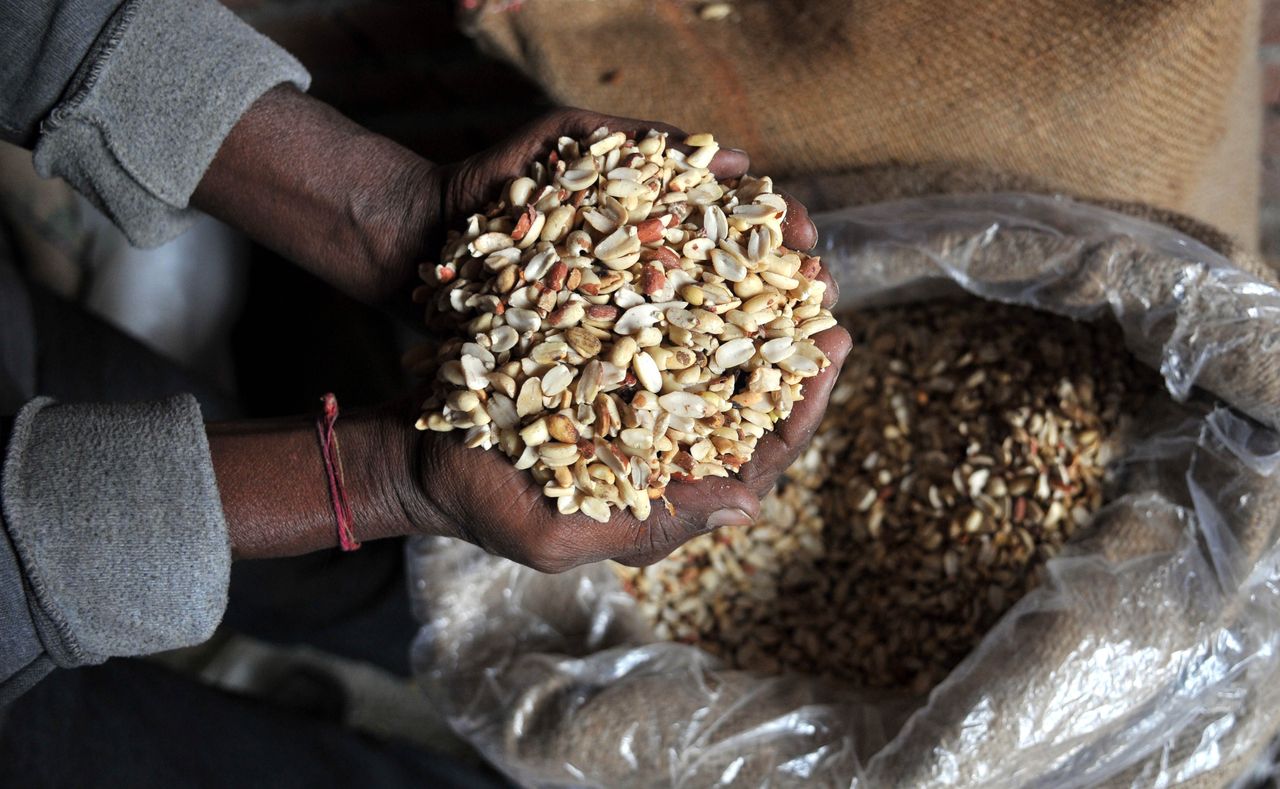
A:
x: 965, y: 443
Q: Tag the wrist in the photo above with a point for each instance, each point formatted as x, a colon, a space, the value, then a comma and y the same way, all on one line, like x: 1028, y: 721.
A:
x: 396, y: 222
x: 275, y: 488
x: 402, y: 463
x: 350, y: 206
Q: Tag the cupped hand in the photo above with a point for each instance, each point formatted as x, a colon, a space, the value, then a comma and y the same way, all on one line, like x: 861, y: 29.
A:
x: 479, y: 496
x: 468, y: 186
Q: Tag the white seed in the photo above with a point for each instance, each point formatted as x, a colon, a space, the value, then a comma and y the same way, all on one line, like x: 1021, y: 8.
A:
x: 646, y: 370
x: 624, y: 174
x: 636, y: 438
x: 530, y: 399
x: 520, y: 190
x: 556, y: 380
x: 617, y: 244
x: 503, y: 338
x: 540, y: 264
x: 757, y: 245
x: 698, y: 248
x: 557, y: 224
x: 535, y: 433
x: 735, y: 353
x: 608, y: 144
x: 523, y: 320
x: 625, y: 189
x: 487, y: 243
x: 557, y: 455
x: 815, y: 325
x: 577, y: 180
x: 799, y: 364
x: 595, y: 509
x: 776, y: 350
x: 638, y: 317
x: 474, y: 373
x: 502, y: 411
x: 727, y: 266
x: 714, y: 224
x: 702, y: 157
x: 754, y: 214
x: 589, y: 382
x: 684, y: 404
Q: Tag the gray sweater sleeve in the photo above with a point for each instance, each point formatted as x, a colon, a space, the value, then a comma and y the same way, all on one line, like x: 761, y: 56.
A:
x: 149, y: 106
x: 113, y: 540
x: 44, y: 42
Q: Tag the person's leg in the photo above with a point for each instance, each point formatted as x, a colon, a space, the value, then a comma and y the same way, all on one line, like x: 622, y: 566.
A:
x: 128, y: 723
x: 355, y: 605
x: 80, y: 357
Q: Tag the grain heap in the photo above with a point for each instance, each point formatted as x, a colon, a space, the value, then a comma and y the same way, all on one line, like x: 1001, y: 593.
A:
x: 628, y: 319
x: 964, y: 444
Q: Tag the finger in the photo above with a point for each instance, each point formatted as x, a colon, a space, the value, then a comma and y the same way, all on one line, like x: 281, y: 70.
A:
x: 729, y: 163
x: 779, y: 449
x: 832, y: 294
x: 712, y: 502
x: 798, y: 231
x: 700, y: 507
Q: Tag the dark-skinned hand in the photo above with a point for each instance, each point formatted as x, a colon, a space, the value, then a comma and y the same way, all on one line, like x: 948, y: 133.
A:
x: 362, y: 212
x: 481, y: 497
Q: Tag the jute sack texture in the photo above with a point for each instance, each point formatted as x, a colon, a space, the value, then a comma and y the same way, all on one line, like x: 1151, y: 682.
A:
x: 1153, y: 101
x: 1151, y: 657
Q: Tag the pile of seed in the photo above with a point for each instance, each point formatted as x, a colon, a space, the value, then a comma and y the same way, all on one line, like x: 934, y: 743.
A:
x: 964, y: 444
x: 627, y: 319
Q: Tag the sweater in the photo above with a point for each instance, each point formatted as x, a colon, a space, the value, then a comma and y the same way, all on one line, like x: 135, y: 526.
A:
x: 112, y: 536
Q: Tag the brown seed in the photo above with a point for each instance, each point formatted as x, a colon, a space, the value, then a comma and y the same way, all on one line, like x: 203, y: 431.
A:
x: 561, y: 429
x: 524, y: 223
x: 650, y: 230
x: 652, y: 280
x: 555, y: 278
x: 583, y: 341
x: 506, y: 279
x: 566, y: 315
x: 664, y: 255
x: 602, y: 312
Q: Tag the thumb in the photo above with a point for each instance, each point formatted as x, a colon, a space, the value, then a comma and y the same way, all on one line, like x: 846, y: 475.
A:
x: 711, y: 503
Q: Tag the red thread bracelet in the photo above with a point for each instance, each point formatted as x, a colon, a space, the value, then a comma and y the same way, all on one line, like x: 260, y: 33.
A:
x: 333, y: 466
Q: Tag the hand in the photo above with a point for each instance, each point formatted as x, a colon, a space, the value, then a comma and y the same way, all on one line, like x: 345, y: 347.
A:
x: 467, y: 187
x: 479, y: 496
x: 361, y: 212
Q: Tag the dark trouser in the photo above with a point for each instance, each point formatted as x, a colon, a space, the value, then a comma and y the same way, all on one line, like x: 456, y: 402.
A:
x: 130, y: 723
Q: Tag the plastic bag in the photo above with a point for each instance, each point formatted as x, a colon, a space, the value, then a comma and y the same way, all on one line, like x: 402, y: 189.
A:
x: 1150, y: 656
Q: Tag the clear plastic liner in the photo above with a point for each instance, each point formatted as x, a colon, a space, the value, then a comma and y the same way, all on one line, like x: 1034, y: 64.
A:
x: 1149, y: 657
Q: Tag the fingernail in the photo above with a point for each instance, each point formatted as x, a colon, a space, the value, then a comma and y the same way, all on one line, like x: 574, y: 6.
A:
x: 730, y: 517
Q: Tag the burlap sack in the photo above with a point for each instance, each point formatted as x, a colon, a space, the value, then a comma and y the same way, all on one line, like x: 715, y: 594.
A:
x: 1154, y: 101
x: 1150, y: 656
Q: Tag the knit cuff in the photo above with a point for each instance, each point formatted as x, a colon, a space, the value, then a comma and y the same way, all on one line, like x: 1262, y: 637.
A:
x: 115, y: 517
x: 140, y: 124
